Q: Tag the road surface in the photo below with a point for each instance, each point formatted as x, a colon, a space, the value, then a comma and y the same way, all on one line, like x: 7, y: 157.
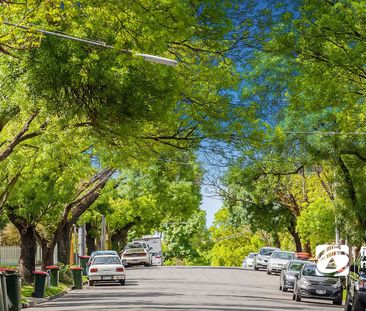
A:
x: 174, y: 288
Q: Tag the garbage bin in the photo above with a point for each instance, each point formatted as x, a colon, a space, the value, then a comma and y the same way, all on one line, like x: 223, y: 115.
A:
x: 39, y: 283
x: 55, y: 274
x: 3, y: 292
x: 83, y: 263
x: 13, y: 290
x: 77, y: 275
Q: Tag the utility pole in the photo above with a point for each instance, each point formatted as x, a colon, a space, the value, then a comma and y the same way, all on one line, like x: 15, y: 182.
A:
x: 102, y: 234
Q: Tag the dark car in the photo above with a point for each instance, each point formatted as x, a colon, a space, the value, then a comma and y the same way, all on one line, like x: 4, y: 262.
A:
x: 311, y: 284
x: 356, y: 289
x: 289, y: 274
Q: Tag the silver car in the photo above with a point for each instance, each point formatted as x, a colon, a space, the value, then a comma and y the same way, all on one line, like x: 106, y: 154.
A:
x: 249, y: 260
x: 278, y: 261
x: 261, y: 260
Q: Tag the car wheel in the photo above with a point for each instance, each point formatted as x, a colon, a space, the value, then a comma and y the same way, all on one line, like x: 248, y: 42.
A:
x: 280, y: 285
x: 122, y: 282
x: 268, y: 271
x: 256, y: 268
x: 337, y: 302
x: 297, y: 297
x: 347, y: 305
x: 284, y: 289
x: 293, y: 296
x: 357, y: 305
x: 91, y: 283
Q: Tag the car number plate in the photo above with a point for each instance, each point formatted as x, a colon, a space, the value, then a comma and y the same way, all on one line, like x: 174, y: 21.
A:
x: 321, y: 291
x: 106, y: 277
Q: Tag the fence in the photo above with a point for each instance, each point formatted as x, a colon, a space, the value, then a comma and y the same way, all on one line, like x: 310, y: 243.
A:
x: 9, y: 255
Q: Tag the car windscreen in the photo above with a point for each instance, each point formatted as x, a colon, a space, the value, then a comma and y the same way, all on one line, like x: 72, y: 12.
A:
x: 295, y: 266
x: 251, y: 256
x: 283, y: 255
x: 106, y: 261
x: 266, y: 251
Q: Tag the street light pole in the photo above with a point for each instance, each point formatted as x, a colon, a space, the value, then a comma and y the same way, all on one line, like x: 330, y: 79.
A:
x: 146, y: 57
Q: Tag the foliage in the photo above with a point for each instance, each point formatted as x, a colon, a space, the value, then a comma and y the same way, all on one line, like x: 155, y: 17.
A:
x: 232, y: 243
x: 187, y: 241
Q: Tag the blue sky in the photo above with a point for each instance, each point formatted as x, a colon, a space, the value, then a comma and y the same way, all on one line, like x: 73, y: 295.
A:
x: 211, y: 206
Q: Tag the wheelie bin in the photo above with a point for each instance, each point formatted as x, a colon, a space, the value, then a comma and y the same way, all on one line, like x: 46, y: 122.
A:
x: 39, y: 283
x: 13, y: 289
x: 83, y: 263
x: 77, y: 275
x: 54, y: 274
x: 4, y: 303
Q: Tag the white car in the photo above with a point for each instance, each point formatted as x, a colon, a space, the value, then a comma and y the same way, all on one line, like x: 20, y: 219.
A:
x: 156, y: 259
x: 106, y: 268
x: 278, y: 261
x: 248, y: 261
x: 136, y: 254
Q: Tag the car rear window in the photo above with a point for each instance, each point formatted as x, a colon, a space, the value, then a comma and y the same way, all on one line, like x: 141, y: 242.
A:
x: 106, y: 261
x: 251, y: 256
x: 283, y: 255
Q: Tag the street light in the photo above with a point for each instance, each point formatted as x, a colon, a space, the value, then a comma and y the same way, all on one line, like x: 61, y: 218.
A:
x: 147, y: 57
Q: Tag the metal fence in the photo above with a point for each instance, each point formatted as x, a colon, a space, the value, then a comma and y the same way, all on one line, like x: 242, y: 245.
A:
x: 9, y: 255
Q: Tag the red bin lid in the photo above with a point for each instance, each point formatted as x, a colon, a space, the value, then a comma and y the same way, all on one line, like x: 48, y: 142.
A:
x: 8, y: 270
x: 40, y: 272
x: 52, y: 267
x: 76, y: 268
x: 84, y: 257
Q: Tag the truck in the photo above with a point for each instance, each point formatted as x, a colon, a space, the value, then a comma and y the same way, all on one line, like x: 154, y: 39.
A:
x: 154, y: 243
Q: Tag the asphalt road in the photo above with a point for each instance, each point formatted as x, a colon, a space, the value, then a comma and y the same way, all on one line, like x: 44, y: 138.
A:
x: 168, y: 288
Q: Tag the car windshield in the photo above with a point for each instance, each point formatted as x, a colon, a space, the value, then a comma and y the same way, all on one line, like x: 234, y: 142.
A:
x: 106, y: 261
x: 251, y: 256
x: 266, y: 251
x: 283, y: 255
x: 295, y: 266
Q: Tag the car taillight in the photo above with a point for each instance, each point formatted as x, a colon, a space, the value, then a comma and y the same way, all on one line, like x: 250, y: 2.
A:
x: 93, y: 270
x: 157, y: 257
x: 120, y: 269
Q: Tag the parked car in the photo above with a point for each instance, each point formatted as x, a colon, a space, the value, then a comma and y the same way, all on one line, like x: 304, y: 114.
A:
x: 356, y: 289
x: 136, y: 254
x: 156, y: 259
x: 261, y: 260
x: 289, y: 274
x: 311, y: 284
x: 106, y: 268
x: 95, y: 253
x: 279, y: 260
x: 249, y: 260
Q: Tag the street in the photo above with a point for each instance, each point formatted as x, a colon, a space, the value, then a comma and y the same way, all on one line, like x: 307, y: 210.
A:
x: 188, y: 288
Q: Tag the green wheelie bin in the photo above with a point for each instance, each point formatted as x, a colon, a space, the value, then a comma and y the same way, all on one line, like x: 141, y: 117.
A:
x: 39, y: 283
x: 13, y: 289
x: 83, y: 263
x: 54, y: 274
x: 77, y: 275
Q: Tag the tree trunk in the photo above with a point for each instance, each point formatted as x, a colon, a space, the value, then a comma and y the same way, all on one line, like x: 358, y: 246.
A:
x: 119, y: 236
x: 307, y: 248
x: 64, y: 245
x: 28, y: 248
x: 276, y: 239
x: 90, y: 238
x: 292, y: 230
x: 47, y: 256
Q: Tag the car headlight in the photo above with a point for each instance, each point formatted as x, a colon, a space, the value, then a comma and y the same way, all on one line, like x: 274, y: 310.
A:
x: 304, y: 282
x: 337, y: 285
x: 290, y: 277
